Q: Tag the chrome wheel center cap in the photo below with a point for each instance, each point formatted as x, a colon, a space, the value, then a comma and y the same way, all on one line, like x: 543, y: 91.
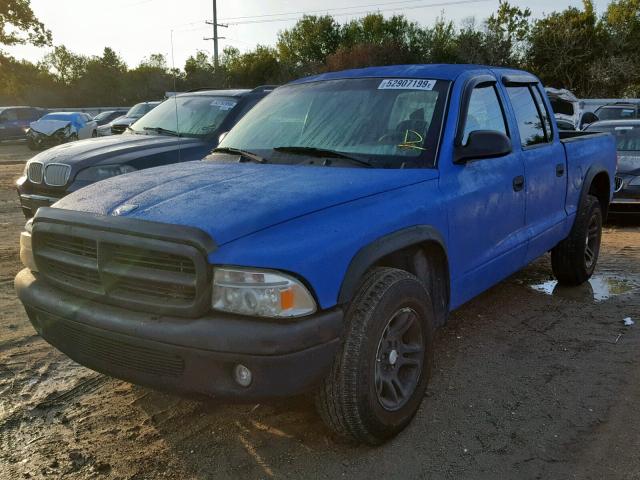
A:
x: 393, y: 357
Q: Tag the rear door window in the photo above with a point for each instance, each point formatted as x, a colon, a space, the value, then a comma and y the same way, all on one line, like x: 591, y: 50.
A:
x: 484, y: 113
x: 530, y: 125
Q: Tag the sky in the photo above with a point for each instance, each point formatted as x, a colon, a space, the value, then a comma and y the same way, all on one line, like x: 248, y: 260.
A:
x: 137, y: 28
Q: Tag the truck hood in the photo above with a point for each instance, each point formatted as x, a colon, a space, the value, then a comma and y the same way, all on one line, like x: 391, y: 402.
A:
x: 113, y: 149
x: 231, y: 200
x: 629, y: 164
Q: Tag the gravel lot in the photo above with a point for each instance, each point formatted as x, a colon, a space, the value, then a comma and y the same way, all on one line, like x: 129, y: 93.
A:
x: 529, y: 383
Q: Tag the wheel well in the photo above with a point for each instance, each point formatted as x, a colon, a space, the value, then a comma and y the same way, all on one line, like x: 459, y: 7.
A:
x: 427, y: 261
x: 600, y: 189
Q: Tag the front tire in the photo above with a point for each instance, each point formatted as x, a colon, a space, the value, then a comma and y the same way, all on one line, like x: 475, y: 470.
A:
x: 574, y: 259
x: 379, y: 377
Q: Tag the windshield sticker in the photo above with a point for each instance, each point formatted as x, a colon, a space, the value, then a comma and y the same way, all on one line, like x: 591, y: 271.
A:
x: 223, y: 104
x: 406, y: 84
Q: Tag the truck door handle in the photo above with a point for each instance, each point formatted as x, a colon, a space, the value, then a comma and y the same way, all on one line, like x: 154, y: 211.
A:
x: 518, y: 183
x: 559, y: 170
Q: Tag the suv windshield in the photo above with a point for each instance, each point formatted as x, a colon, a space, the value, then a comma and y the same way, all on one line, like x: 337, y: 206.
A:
x: 197, y: 115
x: 616, y: 113
x: 627, y: 136
x: 139, y: 110
x: 391, y: 122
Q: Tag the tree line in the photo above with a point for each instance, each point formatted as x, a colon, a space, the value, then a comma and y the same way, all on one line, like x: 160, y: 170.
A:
x: 576, y: 48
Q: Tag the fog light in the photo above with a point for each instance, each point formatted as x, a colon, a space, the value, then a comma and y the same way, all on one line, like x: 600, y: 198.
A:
x: 242, y: 375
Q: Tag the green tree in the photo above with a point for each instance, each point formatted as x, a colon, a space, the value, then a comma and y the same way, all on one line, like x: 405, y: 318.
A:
x: 565, y: 48
x: 199, y: 71
x: 305, y: 46
x: 19, y: 25
x: 507, y: 31
x: 65, y: 65
x: 258, y: 67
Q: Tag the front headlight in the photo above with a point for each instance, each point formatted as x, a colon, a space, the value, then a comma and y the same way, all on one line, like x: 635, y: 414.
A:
x: 635, y: 181
x: 95, y: 174
x: 261, y: 293
x: 26, y: 250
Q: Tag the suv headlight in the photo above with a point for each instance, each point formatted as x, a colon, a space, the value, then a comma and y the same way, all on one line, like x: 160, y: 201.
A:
x: 26, y: 250
x: 261, y: 293
x: 95, y: 174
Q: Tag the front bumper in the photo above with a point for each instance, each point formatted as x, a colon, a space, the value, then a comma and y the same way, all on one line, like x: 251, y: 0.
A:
x: 31, y: 202
x: 626, y: 201
x: 181, y: 355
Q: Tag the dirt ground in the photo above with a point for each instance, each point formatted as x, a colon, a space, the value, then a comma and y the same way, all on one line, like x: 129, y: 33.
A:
x: 529, y: 383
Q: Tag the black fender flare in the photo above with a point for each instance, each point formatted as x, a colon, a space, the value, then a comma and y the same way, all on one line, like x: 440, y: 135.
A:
x: 588, y: 181
x: 381, y: 247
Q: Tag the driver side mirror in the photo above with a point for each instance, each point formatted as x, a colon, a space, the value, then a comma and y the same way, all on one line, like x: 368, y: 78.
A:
x: 482, y: 144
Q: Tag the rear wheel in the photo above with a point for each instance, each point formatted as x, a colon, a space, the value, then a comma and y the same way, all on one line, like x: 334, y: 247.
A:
x: 574, y: 259
x: 379, y: 377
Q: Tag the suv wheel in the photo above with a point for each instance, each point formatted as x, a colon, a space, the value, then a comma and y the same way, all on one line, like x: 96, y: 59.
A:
x: 574, y: 259
x: 379, y: 377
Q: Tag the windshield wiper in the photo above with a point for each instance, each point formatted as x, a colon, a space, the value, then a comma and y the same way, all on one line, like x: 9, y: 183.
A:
x: 162, y: 131
x: 250, y: 156
x: 322, y: 152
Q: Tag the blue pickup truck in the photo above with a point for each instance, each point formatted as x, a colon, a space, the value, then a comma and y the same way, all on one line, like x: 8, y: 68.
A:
x: 319, y: 246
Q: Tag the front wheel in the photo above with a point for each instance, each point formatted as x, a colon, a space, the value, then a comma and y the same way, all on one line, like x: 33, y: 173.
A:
x: 574, y: 259
x: 379, y: 377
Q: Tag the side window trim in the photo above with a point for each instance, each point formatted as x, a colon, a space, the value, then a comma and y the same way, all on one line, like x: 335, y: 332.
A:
x: 543, y: 112
x: 468, y: 88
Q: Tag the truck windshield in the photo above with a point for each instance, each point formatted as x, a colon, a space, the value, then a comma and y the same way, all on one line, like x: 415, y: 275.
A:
x: 627, y: 136
x: 394, y: 123
x: 197, y: 115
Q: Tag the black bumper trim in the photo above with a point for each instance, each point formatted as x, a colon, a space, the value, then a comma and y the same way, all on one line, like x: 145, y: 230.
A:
x: 187, y: 356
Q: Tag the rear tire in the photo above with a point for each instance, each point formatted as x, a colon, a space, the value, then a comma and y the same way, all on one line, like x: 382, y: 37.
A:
x: 574, y: 259
x: 379, y: 376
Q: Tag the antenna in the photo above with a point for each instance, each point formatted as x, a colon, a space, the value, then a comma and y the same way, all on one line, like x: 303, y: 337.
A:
x: 175, y: 98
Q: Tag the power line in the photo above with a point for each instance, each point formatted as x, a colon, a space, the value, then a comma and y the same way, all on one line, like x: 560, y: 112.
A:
x: 254, y: 18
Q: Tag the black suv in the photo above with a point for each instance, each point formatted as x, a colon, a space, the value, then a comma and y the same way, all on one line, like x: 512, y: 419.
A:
x: 183, y: 128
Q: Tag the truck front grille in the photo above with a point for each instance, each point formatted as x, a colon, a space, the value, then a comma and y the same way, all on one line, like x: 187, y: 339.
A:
x: 143, y: 274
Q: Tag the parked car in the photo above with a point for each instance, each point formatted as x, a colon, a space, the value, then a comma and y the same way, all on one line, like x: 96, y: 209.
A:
x: 153, y: 140
x: 626, y: 197
x: 108, y: 116
x: 14, y: 121
x: 336, y: 225
x: 136, y: 112
x: 618, y: 111
x: 568, y: 110
x: 60, y: 127
x: 104, y: 130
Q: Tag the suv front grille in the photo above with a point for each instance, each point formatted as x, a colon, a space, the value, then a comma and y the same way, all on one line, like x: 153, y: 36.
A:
x: 619, y: 183
x: 34, y: 172
x: 145, y: 274
x: 56, y: 174
x: 118, y: 129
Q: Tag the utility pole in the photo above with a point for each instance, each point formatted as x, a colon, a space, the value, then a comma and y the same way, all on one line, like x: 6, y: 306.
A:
x: 215, y: 37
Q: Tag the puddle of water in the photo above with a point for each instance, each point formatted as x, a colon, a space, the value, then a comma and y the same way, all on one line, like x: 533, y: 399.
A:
x: 599, y: 288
